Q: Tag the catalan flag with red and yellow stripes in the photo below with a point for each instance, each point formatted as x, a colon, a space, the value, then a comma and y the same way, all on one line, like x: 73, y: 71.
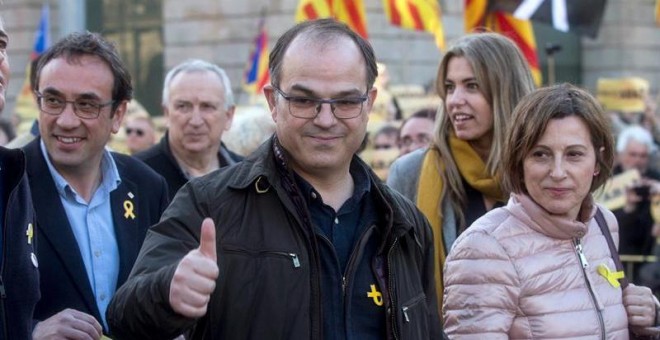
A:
x: 521, y: 32
x: 350, y: 12
x: 420, y: 15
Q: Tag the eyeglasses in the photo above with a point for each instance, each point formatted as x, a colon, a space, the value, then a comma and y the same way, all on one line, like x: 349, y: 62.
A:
x: 309, y: 108
x: 83, y: 108
x: 138, y: 132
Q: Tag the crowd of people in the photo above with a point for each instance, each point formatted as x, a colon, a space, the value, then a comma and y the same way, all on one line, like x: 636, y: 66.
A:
x: 486, y: 225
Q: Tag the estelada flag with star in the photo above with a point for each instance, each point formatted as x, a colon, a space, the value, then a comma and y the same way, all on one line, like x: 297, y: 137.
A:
x: 257, y: 74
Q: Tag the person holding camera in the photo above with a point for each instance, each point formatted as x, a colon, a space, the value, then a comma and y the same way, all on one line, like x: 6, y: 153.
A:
x: 634, y: 148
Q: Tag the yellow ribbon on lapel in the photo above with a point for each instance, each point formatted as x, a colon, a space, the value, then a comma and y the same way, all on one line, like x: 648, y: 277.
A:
x: 611, y: 277
x: 128, y: 210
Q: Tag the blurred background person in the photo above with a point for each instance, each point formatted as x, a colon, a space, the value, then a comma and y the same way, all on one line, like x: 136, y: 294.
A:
x: 455, y: 181
x: 250, y: 127
x: 386, y: 138
x: 386, y: 107
x: 634, y: 147
x: 547, y: 259
x: 198, y: 103
x: 140, y: 132
x: 382, y: 150
x: 416, y: 131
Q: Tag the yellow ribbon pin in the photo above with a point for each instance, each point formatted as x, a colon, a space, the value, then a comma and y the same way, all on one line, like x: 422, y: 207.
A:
x: 375, y: 295
x: 128, y: 209
x: 29, y: 233
x: 611, y: 277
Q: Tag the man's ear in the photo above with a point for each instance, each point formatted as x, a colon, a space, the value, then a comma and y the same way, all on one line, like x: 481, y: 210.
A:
x: 269, y: 93
x: 373, y: 93
x: 118, y: 116
x: 230, y: 117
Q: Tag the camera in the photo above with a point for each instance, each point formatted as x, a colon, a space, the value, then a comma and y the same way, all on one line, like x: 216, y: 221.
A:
x: 643, y: 191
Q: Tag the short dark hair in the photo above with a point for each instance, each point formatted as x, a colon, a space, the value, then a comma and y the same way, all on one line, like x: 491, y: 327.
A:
x: 426, y: 113
x: 79, y: 44
x: 324, y: 30
x: 530, y: 119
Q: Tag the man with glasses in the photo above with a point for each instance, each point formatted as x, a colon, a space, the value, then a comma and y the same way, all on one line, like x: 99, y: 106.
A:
x: 93, y: 206
x: 199, y: 106
x: 140, y: 131
x: 310, y: 244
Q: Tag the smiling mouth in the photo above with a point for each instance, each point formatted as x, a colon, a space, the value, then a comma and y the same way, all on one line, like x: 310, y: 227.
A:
x: 69, y: 140
x: 461, y: 117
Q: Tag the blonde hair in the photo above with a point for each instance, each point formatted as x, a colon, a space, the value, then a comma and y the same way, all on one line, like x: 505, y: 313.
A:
x: 504, y: 78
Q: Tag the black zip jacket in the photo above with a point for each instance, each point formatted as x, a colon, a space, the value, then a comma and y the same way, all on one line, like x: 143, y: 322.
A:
x: 269, y: 283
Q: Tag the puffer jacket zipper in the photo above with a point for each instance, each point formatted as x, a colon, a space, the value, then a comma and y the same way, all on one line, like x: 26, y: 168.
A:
x: 584, y: 265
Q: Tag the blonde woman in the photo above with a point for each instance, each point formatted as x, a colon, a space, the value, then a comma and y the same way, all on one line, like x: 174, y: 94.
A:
x: 454, y: 181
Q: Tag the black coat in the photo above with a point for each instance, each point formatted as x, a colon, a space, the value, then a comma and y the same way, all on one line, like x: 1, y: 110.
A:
x: 64, y: 282
x: 19, y: 279
x: 269, y: 281
x: 160, y: 158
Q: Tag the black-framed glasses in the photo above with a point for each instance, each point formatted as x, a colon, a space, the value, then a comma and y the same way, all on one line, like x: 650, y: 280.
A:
x: 137, y: 131
x: 83, y: 107
x: 309, y: 108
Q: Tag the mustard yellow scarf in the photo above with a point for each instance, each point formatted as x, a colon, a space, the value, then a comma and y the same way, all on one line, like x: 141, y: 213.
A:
x: 430, y: 186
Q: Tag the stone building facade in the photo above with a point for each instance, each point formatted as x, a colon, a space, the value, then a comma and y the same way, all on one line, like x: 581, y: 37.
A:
x: 222, y: 31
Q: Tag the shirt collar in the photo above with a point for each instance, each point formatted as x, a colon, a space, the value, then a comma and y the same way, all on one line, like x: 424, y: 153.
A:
x: 360, y: 179
x: 110, y: 174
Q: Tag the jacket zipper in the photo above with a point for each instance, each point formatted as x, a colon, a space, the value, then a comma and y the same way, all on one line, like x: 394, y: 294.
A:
x: 351, y: 261
x: 293, y: 256
x: 390, y: 275
x: 405, y: 309
x: 584, y: 264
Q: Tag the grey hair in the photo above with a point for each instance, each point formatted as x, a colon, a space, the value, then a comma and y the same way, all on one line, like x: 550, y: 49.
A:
x: 198, y: 65
x: 636, y: 133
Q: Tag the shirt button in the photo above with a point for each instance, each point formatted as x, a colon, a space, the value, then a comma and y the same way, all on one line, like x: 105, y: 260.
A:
x: 336, y: 220
x: 313, y: 195
x: 102, y: 297
x: 97, y: 253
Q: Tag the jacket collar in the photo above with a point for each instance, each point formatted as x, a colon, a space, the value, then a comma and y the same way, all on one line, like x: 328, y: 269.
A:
x: 537, y: 218
x: 260, y: 171
x: 225, y: 157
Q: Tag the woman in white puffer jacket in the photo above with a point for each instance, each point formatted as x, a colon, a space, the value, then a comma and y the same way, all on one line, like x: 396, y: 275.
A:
x: 541, y: 267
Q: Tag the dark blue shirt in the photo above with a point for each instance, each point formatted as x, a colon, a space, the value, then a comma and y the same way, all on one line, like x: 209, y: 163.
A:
x: 348, y: 241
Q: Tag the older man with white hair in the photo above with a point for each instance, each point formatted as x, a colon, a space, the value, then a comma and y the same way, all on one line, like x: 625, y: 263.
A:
x: 634, y: 147
x: 199, y: 106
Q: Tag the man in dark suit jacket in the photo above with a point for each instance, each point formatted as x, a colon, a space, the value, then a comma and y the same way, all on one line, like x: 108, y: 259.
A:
x: 19, y: 276
x: 199, y: 106
x: 93, y: 206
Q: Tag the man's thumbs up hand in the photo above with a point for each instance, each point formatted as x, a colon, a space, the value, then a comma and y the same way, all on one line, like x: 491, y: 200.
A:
x: 194, y: 277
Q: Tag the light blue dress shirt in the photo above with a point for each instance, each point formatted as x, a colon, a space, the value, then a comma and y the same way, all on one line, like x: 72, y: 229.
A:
x: 93, y: 227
